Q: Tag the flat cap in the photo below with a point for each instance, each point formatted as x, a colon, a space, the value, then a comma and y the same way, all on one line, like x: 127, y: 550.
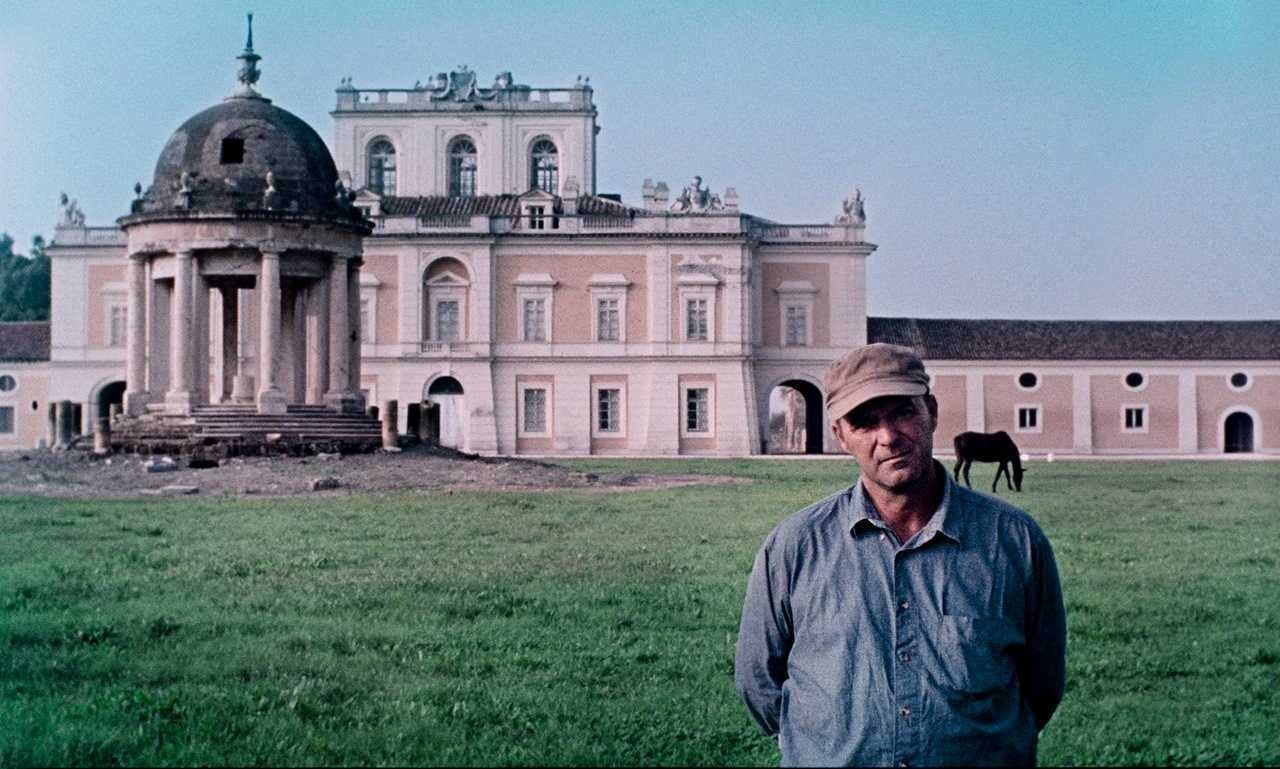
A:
x: 872, y: 371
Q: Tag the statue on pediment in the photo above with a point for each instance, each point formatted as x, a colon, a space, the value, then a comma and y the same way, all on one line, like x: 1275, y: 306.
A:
x: 461, y: 85
x: 696, y: 199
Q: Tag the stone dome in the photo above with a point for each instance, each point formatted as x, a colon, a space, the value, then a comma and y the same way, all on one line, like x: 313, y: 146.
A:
x: 245, y: 157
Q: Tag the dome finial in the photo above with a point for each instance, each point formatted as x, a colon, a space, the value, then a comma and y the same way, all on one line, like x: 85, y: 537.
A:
x: 249, y: 72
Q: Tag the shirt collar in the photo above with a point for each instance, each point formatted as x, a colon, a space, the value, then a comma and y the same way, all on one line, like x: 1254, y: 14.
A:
x: 947, y: 519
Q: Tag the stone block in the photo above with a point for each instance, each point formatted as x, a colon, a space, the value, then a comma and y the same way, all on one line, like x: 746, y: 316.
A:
x: 160, y: 465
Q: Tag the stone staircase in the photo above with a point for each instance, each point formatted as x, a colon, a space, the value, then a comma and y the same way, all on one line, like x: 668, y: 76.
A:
x: 239, y: 430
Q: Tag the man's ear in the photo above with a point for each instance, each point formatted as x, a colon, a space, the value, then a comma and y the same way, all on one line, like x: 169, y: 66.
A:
x: 931, y: 403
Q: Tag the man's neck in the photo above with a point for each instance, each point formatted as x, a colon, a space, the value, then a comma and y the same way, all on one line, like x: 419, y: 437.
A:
x: 908, y: 511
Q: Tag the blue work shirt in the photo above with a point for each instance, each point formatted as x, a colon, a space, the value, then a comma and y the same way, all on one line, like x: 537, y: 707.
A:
x: 856, y: 649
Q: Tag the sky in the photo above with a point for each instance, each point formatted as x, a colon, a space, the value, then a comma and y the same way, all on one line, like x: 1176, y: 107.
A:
x: 1109, y: 160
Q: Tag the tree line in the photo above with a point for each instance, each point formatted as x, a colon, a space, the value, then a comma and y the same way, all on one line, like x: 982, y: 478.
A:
x: 24, y: 281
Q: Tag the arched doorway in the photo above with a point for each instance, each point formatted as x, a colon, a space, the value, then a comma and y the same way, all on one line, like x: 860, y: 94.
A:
x: 446, y: 393
x: 1237, y: 433
x: 795, y: 418
x: 105, y: 395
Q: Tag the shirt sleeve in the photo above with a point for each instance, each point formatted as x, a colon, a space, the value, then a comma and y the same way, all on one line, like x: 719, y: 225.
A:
x: 764, y: 640
x: 1043, y: 671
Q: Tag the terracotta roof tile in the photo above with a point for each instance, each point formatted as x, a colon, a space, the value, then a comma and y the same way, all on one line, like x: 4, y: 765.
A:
x: 966, y: 339
x: 24, y: 341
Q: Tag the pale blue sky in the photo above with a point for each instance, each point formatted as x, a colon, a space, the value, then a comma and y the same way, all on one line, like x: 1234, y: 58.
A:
x: 1033, y: 160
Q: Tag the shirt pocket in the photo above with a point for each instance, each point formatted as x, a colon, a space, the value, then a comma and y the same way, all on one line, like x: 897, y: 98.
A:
x: 976, y: 654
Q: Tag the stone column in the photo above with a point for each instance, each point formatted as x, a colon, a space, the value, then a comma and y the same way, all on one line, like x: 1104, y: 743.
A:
x: 318, y: 341
x: 230, y: 342
x: 353, y: 319
x: 135, y: 397
x: 340, y: 398
x: 270, y: 398
x: 288, y: 352
x: 390, y: 417
x: 64, y: 417
x: 181, y: 375
x: 242, y: 382
x: 200, y: 343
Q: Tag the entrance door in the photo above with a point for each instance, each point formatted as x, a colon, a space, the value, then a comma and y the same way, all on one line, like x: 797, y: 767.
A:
x: 1238, y: 434
x: 446, y: 393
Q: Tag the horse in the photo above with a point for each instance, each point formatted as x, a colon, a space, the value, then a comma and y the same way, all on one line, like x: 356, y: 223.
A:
x: 989, y: 447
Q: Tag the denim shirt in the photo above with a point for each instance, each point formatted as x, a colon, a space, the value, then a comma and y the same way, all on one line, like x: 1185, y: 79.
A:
x: 950, y: 648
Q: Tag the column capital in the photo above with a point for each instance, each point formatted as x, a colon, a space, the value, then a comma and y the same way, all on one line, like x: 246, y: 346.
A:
x: 185, y: 253
x: 270, y: 252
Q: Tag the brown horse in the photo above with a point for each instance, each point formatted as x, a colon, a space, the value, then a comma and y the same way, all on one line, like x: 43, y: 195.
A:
x: 989, y: 447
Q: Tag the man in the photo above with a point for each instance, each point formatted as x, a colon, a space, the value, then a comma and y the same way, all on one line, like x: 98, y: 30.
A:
x: 905, y: 621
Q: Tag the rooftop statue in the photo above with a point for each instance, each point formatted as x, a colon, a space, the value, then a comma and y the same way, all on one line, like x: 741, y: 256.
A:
x: 696, y: 199
x: 461, y: 85
x: 72, y: 216
x: 854, y: 214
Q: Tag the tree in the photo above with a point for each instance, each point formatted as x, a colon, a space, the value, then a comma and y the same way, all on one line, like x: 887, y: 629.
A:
x: 24, y: 281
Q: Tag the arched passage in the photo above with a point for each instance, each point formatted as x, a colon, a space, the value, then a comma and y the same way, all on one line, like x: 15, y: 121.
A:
x: 795, y: 418
x: 446, y: 392
x: 1237, y: 433
x: 104, y: 395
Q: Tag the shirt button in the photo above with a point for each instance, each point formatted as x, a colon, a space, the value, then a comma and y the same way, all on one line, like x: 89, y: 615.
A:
x: 904, y: 657
x: 902, y: 763
x: 904, y: 605
x: 904, y: 712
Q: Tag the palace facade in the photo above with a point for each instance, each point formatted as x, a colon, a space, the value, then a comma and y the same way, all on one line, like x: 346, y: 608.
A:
x: 548, y: 318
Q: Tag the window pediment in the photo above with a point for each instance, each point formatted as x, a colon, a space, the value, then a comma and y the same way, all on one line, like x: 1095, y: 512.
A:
x: 608, y: 280
x: 448, y: 279
x: 697, y: 279
x: 796, y: 287
x: 537, y: 279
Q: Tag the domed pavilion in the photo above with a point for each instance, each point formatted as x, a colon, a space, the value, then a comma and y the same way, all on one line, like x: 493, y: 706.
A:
x: 244, y: 266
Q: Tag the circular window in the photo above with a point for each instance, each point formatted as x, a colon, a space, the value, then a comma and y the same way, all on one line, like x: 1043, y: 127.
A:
x: 1028, y: 380
x: 1239, y: 380
x: 1134, y: 380
x: 7, y: 383
x: 35, y: 405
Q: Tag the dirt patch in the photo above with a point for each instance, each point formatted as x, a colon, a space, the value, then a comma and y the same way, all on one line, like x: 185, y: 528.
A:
x: 80, y: 475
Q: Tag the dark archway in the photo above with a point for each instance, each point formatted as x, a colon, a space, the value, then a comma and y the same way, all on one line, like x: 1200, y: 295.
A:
x: 795, y: 418
x: 1238, y: 434
x: 108, y: 394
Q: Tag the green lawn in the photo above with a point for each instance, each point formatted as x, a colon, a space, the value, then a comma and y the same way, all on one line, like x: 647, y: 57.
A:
x: 582, y: 628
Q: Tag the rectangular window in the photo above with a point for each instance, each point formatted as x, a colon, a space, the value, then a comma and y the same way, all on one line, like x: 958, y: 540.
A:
x: 607, y: 320
x: 6, y: 420
x: 608, y: 410
x: 1028, y: 418
x: 696, y: 320
x: 1135, y: 418
x: 535, y: 410
x: 447, y: 321
x: 535, y: 317
x: 797, y: 325
x: 697, y: 401
x: 117, y: 335
x: 537, y: 219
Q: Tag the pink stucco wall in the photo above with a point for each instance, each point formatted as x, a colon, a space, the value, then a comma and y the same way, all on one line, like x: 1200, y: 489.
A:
x: 571, y: 301
x: 385, y: 269
x: 1110, y: 396
x: 1215, y: 397
x: 1002, y: 396
x: 30, y: 425
x: 952, y: 420
x: 773, y: 275
x: 99, y: 275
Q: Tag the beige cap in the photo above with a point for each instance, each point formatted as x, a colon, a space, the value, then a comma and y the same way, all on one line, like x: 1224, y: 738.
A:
x: 872, y: 371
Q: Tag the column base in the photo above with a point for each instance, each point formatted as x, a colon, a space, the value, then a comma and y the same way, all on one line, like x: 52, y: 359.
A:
x: 272, y: 402
x: 135, y: 403
x: 178, y: 401
x: 345, y: 402
x: 242, y: 388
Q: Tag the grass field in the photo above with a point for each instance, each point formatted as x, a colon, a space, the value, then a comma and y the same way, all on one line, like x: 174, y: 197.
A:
x: 581, y: 628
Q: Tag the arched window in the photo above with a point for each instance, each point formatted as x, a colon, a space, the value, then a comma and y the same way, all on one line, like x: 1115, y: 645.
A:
x: 544, y: 166
x: 382, y: 167
x: 462, y: 168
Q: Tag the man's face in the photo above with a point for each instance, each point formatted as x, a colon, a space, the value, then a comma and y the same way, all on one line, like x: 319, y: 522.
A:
x: 892, y: 440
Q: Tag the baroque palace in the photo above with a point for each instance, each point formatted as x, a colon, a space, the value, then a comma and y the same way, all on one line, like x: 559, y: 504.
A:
x: 467, y: 258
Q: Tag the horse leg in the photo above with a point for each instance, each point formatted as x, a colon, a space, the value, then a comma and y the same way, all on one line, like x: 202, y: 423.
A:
x: 1008, y: 478
x: 996, y: 481
x: 959, y: 462
x: 968, y: 463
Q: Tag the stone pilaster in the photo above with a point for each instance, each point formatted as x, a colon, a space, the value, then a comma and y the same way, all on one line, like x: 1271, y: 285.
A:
x: 270, y: 398
x: 135, y: 396
x: 353, y: 316
x: 242, y: 382
x: 318, y: 341
x: 230, y: 368
x: 181, y: 373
